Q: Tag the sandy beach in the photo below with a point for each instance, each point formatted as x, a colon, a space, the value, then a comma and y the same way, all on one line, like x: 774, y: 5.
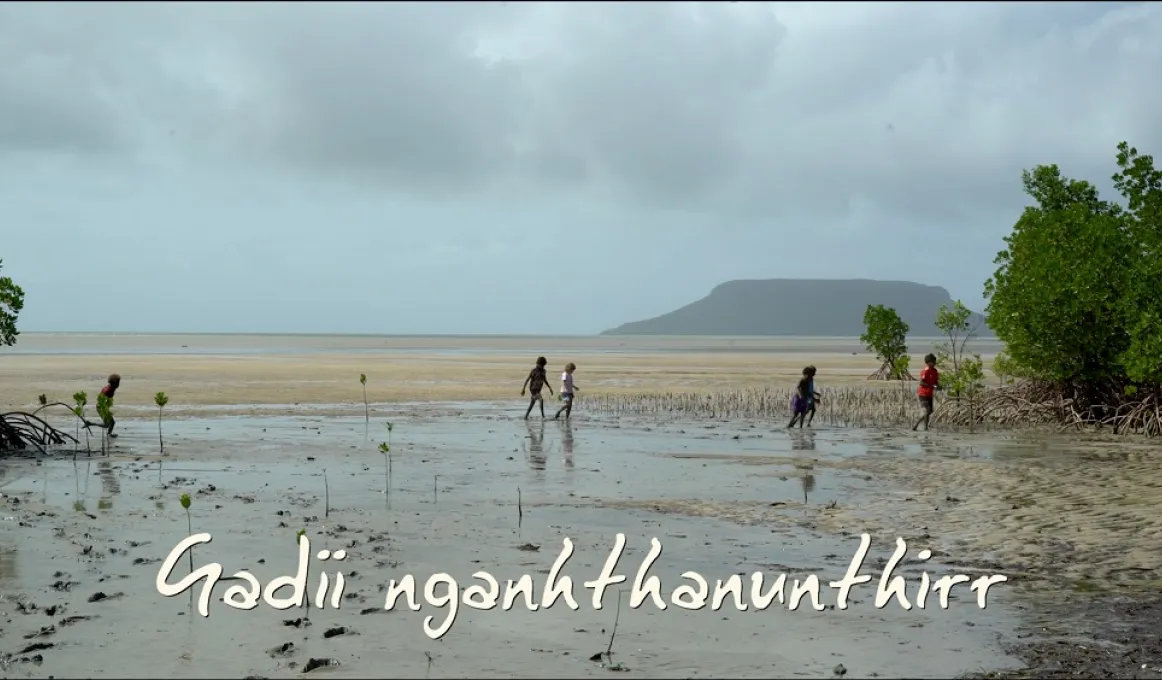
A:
x: 282, y: 374
x: 270, y: 444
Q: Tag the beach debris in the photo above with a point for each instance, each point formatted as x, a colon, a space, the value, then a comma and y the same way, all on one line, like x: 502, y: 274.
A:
x: 315, y: 664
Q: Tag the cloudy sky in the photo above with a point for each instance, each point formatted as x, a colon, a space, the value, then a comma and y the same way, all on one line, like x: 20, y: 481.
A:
x: 532, y: 168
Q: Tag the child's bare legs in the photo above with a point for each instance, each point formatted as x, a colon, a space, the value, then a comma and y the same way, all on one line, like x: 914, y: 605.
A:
x: 793, y: 419
x: 810, y: 414
x: 536, y: 399
x: 925, y: 402
x: 567, y: 409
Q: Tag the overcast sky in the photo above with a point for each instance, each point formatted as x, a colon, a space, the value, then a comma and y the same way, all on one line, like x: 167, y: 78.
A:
x: 532, y: 168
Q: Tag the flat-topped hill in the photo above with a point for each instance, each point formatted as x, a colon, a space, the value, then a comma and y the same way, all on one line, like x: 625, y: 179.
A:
x: 799, y: 307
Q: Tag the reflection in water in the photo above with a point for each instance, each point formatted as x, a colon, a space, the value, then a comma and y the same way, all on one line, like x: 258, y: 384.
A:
x: 536, y: 445
x: 110, y: 484
x: 8, y: 572
x: 808, y: 482
x: 77, y: 475
x: 803, y: 441
x: 567, y: 442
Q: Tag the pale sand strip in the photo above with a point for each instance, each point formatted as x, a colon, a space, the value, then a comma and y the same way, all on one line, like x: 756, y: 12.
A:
x: 240, y: 381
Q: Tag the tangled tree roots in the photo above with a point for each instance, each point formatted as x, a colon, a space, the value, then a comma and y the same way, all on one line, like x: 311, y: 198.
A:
x: 19, y: 431
x: 1035, y: 402
x: 885, y: 373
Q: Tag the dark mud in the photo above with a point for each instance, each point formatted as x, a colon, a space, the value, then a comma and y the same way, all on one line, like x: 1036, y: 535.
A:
x: 1090, y: 636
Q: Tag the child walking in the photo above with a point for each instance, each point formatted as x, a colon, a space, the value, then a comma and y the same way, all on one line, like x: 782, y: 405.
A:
x: 109, y: 390
x: 801, y: 399
x: 536, y: 380
x: 567, y: 390
x: 929, y: 381
x: 812, y: 395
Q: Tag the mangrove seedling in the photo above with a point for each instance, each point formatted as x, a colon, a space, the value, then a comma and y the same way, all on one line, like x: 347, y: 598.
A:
x: 613, y: 633
x: 326, y: 495
x: 185, y: 501
x: 105, y: 413
x: 385, y: 449
x: 161, y: 400
x: 81, y: 399
x: 42, y: 400
x: 366, y: 408
x: 299, y: 536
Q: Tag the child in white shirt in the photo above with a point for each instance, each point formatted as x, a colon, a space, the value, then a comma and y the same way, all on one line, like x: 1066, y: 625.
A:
x: 567, y: 390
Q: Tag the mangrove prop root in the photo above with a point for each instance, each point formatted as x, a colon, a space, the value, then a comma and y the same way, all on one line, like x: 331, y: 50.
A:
x: 20, y: 431
x: 885, y: 373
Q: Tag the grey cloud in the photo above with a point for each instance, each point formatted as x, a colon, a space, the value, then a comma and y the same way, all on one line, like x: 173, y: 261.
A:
x: 904, y: 108
x: 429, y: 167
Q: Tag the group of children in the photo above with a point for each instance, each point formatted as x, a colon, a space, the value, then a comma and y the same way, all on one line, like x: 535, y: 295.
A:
x: 538, y: 379
x: 803, y: 402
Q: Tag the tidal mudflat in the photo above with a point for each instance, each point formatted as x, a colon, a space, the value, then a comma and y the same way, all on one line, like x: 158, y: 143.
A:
x: 83, y: 542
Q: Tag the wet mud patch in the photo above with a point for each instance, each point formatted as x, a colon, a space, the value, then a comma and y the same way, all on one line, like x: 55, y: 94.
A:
x: 1100, y: 636
x: 469, y: 494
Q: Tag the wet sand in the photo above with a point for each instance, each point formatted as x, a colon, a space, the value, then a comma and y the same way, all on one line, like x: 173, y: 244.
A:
x: 102, y: 525
x: 1069, y: 518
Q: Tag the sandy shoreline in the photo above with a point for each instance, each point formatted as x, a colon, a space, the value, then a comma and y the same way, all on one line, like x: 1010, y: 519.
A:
x: 234, y: 384
x: 334, y: 379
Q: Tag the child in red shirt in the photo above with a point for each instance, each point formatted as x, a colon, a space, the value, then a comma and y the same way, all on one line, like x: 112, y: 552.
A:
x: 929, y: 382
x: 110, y: 390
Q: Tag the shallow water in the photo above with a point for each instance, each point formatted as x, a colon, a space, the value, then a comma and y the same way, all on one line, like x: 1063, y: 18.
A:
x: 449, y: 505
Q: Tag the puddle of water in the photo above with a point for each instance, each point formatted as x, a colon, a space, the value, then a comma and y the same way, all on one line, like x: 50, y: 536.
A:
x: 451, y: 506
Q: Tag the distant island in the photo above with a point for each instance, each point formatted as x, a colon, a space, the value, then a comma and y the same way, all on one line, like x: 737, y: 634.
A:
x: 800, y: 307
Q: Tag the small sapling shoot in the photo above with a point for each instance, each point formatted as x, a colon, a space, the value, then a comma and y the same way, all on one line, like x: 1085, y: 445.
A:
x: 161, y: 400
x: 185, y: 501
x: 366, y: 408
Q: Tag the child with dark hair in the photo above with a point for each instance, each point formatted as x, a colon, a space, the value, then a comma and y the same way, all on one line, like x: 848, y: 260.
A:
x: 929, y: 382
x: 812, y: 395
x: 536, y: 380
x: 801, y: 399
x: 109, y: 390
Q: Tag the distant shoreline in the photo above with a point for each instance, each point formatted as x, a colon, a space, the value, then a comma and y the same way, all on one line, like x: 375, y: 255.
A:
x: 414, y: 346
x: 465, y: 336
